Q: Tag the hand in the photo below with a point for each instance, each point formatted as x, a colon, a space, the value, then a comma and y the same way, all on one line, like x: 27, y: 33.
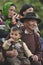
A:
x: 35, y: 58
x: 12, y: 53
x: 10, y: 40
x: 14, y: 19
x: 7, y: 43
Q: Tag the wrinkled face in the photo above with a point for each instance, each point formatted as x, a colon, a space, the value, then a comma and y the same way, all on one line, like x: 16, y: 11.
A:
x: 15, y: 35
x: 11, y: 11
x: 28, y: 10
x: 30, y: 24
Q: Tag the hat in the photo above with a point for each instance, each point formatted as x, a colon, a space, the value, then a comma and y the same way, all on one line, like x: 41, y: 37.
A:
x: 30, y: 16
x: 24, y: 8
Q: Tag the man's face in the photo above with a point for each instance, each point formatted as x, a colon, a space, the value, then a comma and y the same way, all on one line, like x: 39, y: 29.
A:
x: 30, y: 24
x: 11, y: 11
x: 28, y: 10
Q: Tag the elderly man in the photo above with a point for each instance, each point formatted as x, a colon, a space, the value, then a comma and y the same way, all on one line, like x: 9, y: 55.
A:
x: 31, y: 38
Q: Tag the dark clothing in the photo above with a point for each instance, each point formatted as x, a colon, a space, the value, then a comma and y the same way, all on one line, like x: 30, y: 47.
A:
x: 3, y: 33
x: 41, y: 41
x: 5, y: 63
x: 32, y: 41
x: 36, y: 63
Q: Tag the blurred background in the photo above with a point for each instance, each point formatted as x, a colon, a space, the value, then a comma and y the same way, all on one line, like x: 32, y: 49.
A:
x: 38, y: 4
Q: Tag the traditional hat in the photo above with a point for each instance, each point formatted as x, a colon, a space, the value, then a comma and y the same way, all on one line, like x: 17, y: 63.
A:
x: 30, y: 16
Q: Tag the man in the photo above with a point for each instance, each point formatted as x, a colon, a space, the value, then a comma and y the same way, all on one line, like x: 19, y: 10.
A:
x: 26, y: 8
x: 32, y: 39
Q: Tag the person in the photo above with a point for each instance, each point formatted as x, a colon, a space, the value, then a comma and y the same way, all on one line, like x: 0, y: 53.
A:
x: 10, y: 14
x: 1, y: 17
x: 14, y: 42
x: 26, y: 8
x: 37, y: 31
x: 9, y: 9
x: 3, y: 60
x: 31, y: 38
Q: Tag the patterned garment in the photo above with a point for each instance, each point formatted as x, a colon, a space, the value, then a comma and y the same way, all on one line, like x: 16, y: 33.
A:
x: 21, y: 58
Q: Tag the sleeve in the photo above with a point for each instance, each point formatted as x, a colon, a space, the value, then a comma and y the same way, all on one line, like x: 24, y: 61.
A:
x: 38, y: 51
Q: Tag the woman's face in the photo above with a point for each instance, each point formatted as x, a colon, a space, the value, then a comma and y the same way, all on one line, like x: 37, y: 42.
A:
x: 11, y: 11
x: 30, y: 24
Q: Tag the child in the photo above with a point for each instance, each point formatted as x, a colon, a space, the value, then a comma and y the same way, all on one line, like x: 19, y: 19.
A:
x: 15, y: 42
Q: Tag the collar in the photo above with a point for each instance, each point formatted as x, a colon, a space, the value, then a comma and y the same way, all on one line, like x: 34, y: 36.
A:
x: 26, y: 32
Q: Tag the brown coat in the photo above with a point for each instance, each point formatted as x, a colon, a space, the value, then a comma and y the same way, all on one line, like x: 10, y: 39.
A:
x: 33, y: 43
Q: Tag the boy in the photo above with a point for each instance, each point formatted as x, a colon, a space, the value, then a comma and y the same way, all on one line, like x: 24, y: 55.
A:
x: 15, y: 42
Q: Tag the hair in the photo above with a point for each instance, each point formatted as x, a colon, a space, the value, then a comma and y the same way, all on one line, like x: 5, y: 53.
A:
x: 13, y: 5
x: 15, y: 28
x: 25, y: 7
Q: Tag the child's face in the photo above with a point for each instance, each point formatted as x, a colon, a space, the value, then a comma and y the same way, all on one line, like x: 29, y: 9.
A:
x: 15, y: 35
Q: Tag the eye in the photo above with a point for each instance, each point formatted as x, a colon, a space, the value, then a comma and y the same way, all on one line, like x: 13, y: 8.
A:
x: 16, y: 34
x: 19, y: 33
x: 12, y: 34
